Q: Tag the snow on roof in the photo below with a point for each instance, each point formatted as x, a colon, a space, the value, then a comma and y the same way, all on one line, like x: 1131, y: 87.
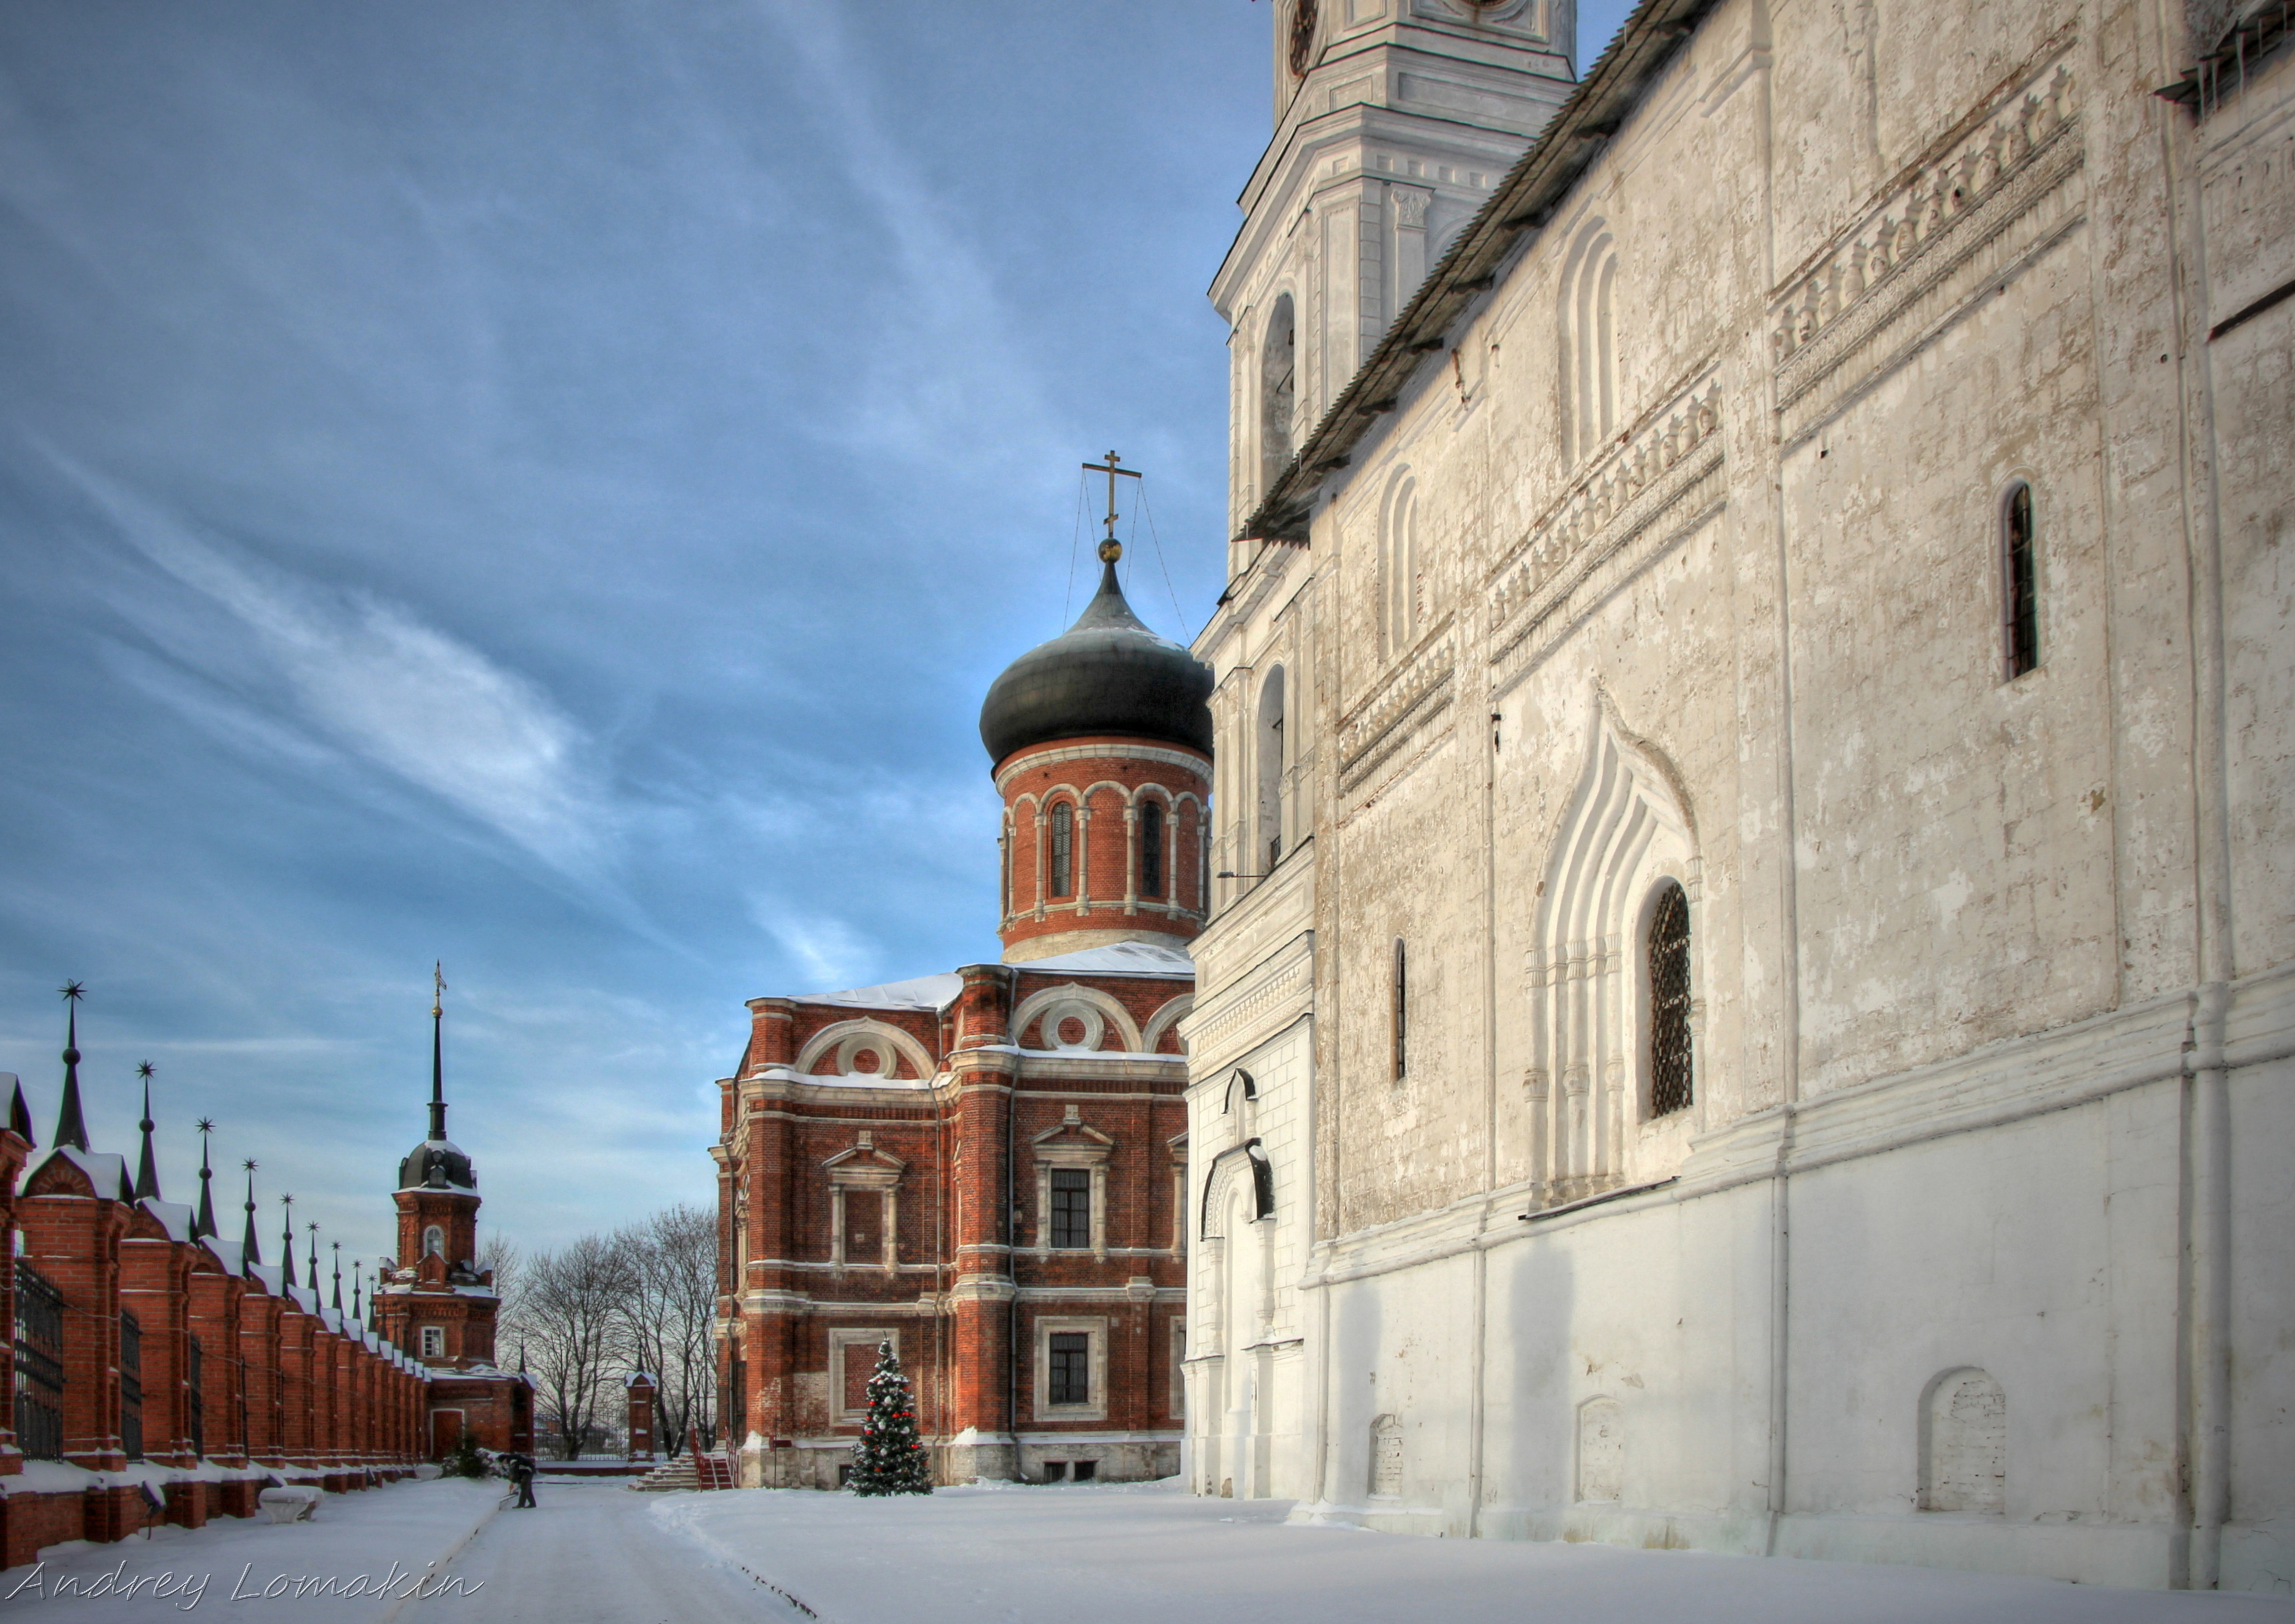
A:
x: 174, y: 1217
x: 840, y: 1080
x: 101, y: 1168
x: 923, y: 993
x: 1117, y: 959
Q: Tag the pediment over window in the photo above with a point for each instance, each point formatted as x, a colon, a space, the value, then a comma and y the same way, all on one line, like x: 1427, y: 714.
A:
x: 865, y: 1165
x: 1071, y: 1142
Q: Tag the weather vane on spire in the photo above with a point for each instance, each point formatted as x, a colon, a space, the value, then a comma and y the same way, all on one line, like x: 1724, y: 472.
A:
x: 1110, y: 549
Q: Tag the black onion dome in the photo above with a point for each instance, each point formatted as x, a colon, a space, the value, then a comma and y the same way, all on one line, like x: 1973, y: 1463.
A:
x: 1106, y: 674
x: 438, y: 1164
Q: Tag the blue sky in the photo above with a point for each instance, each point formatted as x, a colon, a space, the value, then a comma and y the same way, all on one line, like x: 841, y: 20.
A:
x: 544, y: 485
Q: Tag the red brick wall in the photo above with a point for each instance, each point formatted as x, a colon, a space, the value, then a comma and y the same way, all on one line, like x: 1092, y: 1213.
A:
x: 969, y: 1352
x: 1118, y: 776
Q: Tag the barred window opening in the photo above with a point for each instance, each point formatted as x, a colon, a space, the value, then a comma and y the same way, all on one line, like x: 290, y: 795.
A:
x: 2019, y: 596
x: 1070, y: 1368
x: 1669, y: 980
x: 1071, y: 1207
x: 131, y: 1386
x: 39, y: 1365
x: 1151, y: 849
x: 194, y: 1376
x: 1063, y: 849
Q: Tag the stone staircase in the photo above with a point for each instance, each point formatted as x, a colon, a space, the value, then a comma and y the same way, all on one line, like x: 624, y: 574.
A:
x: 687, y: 1471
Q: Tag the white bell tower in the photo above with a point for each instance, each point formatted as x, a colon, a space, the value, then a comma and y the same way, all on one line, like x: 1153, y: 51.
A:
x: 1393, y: 121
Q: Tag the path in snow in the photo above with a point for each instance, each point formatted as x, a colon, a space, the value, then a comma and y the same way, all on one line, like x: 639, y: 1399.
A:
x: 588, y: 1553
x: 353, y: 1542
x: 1152, y: 1556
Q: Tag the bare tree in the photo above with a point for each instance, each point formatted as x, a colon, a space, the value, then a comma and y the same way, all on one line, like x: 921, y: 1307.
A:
x: 667, y: 1319
x: 572, y: 1306
x: 497, y: 1256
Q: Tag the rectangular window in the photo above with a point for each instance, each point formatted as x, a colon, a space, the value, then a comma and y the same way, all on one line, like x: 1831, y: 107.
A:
x: 1071, y: 1371
x: 1056, y: 1472
x: 434, y: 1342
x: 1071, y: 1207
x: 1085, y: 1471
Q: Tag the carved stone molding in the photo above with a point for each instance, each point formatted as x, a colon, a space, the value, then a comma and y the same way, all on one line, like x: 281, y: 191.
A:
x: 1887, y: 267
x: 1276, y: 993
x: 1676, y: 456
x: 1410, y: 698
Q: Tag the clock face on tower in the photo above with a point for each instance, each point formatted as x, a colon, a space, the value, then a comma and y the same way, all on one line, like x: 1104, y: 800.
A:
x: 1303, y: 37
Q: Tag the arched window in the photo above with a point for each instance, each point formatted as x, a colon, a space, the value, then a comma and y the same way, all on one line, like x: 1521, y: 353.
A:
x: 1402, y: 1009
x: 1398, y: 587
x: 2020, y: 588
x: 1279, y: 390
x: 1151, y: 848
x: 1270, y: 770
x: 1589, y: 346
x: 1669, y: 986
x: 1063, y: 849
x: 434, y: 1242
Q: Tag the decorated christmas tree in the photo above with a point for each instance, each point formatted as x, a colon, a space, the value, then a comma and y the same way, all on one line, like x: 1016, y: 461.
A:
x: 890, y: 1458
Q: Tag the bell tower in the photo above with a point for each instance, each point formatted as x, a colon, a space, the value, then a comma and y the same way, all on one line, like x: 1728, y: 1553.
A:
x: 436, y: 1302
x: 1394, y: 120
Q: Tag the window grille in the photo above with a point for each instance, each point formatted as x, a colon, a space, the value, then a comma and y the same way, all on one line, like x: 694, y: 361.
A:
x: 39, y: 1365
x: 1402, y: 1009
x: 131, y: 1386
x: 1070, y: 1368
x: 194, y: 1374
x: 1063, y: 849
x: 2020, y: 597
x: 1151, y: 849
x: 1071, y: 1207
x: 1669, y: 980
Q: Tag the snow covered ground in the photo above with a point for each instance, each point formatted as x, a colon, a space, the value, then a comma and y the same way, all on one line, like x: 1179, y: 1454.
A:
x: 1139, y: 1555
x: 1150, y: 1554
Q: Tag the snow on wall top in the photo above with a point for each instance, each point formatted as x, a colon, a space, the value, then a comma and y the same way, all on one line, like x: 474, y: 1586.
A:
x: 1117, y: 959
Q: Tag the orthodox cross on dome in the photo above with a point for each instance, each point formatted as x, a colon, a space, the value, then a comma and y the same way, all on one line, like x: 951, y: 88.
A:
x: 1110, y: 549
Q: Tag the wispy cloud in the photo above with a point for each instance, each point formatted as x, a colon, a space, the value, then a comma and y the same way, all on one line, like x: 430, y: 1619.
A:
x: 828, y: 953
x: 371, y: 679
x: 940, y: 375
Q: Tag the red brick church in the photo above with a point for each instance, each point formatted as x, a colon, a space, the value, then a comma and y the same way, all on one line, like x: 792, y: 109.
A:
x: 988, y: 1168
